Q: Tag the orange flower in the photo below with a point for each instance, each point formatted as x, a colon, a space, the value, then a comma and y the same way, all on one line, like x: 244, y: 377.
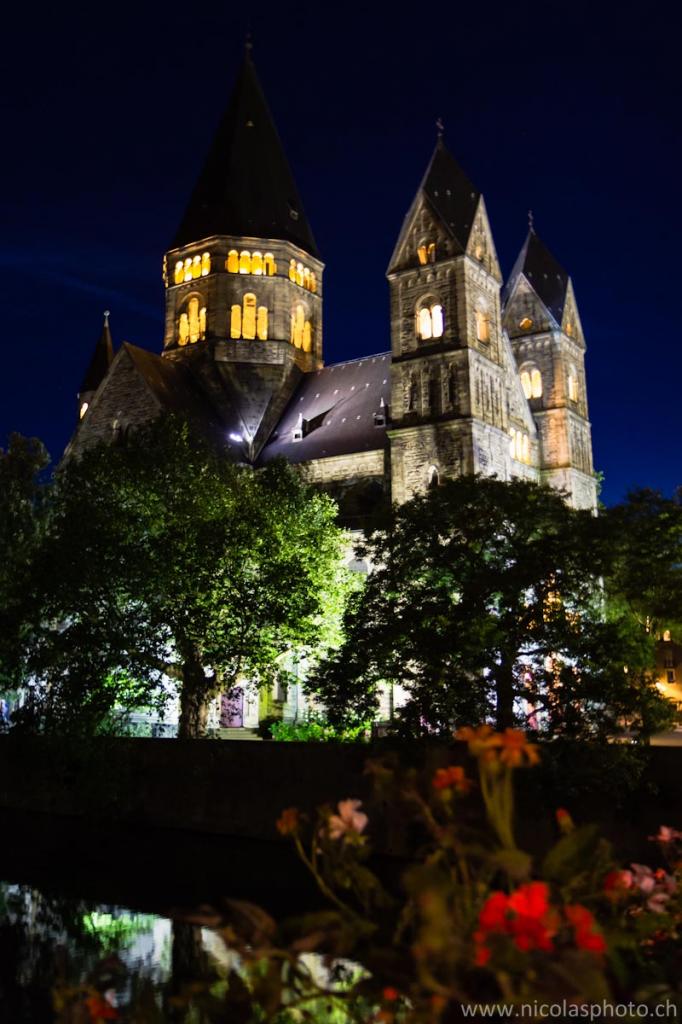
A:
x: 516, y: 748
x: 390, y: 994
x: 451, y: 778
x: 288, y: 821
x: 482, y: 741
x: 99, y: 1009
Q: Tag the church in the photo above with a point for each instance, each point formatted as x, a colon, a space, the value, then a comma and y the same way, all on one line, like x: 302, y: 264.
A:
x: 483, y: 376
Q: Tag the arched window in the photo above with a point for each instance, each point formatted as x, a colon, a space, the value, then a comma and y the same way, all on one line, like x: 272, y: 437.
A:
x: 299, y: 274
x: 292, y: 270
x: 83, y: 409
x: 196, y: 267
x: 298, y: 323
x: 434, y: 478
x: 183, y: 329
x: 257, y: 263
x: 236, y: 322
x: 232, y: 262
x: 192, y: 322
x: 306, y: 278
x: 245, y: 262
x: 269, y: 265
x: 205, y: 264
x: 430, y: 322
x: 531, y: 382
x: 426, y: 253
x: 249, y: 317
x: 262, y: 323
x: 307, y: 337
x: 572, y: 384
x: 179, y: 275
x: 482, y: 326
x: 187, y: 274
x: 313, y: 281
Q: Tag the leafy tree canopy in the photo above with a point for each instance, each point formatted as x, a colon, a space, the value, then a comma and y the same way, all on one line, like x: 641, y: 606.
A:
x: 164, y: 558
x: 497, y: 600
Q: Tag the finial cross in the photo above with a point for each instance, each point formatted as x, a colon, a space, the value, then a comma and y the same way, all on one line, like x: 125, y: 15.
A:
x: 531, y: 221
x: 440, y: 127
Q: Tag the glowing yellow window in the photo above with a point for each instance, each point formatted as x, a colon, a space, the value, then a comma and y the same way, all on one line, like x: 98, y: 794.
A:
x: 205, y: 264
x: 194, y: 321
x: 424, y: 323
x: 232, y: 262
x: 188, y: 269
x: 432, y: 252
x: 84, y: 408
x: 202, y: 322
x: 306, y: 278
x: 482, y: 326
x: 573, y: 385
x: 422, y: 255
x: 307, y: 337
x: 183, y: 329
x: 437, y: 325
x: 179, y: 275
x: 526, y: 323
x: 292, y: 270
x: 257, y: 263
x: 236, y: 322
x: 313, y: 282
x: 245, y: 262
x: 262, y: 323
x: 299, y: 274
x: 298, y: 326
x: 536, y: 383
x: 525, y: 451
x: 569, y: 328
x: 196, y: 267
x: 269, y: 265
x: 249, y: 317
x: 526, y: 384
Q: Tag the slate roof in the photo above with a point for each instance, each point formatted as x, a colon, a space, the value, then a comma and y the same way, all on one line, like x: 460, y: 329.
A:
x: 101, y: 360
x: 544, y: 274
x: 172, y: 383
x: 451, y: 193
x: 246, y: 186
x: 337, y: 406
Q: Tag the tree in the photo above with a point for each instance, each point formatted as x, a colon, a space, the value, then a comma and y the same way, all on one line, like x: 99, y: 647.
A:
x: 164, y: 558
x: 488, y: 601
x: 21, y: 502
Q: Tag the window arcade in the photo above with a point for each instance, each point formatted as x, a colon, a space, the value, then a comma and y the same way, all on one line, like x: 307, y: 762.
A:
x: 531, y: 382
x: 192, y: 322
x: 430, y: 321
x: 192, y: 268
x: 246, y: 262
x: 249, y: 321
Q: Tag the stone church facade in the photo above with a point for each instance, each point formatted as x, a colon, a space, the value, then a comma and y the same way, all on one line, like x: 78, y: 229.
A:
x: 482, y: 377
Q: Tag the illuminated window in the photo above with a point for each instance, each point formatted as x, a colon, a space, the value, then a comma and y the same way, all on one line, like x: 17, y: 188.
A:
x: 422, y: 255
x: 292, y: 270
x: 269, y: 265
x: 519, y: 446
x: 196, y: 267
x: 434, y: 478
x: 262, y: 323
x: 313, y: 281
x: 298, y: 322
x: 232, y: 262
x: 244, y: 262
x: 187, y: 274
x: 183, y: 329
x: 430, y: 322
x: 249, y: 317
x: 666, y: 636
x: 236, y: 322
x: 299, y: 274
x: 572, y: 384
x: 482, y: 326
x: 432, y: 252
x: 531, y: 381
x: 307, y: 337
x: 179, y: 275
x: 569, y: 328
x: 302, y: 276
x: 196, y: 320
x: 526, y: 323
x: 205, y: 264
x: 84, y: 408
x: 257, y: 263
x: 426, y: 253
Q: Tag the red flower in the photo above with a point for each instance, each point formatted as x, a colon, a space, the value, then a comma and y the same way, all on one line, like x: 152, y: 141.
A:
x: 483, y: 954
x: 525, y: 915
x: 493, y: 915
x: 584, y: 926
x: 451, y: 778
x: 617, y: 882
x: 99, y: 1009
x: 390, y: 994
x: 530, y: 900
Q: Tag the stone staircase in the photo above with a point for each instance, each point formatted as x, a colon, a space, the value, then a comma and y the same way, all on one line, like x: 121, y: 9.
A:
x: 238, y: 734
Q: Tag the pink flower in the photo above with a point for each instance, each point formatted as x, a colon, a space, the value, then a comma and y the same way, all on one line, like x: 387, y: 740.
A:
x: 666, y: 834
x: 349, y: 820
x: 643, y: 878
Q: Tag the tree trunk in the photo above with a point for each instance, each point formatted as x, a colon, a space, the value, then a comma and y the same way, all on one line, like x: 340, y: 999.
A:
x: 504, y: 693
x: 194, y: 699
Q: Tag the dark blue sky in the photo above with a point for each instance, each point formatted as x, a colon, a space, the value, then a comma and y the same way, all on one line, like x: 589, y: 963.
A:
x: 107, y: 113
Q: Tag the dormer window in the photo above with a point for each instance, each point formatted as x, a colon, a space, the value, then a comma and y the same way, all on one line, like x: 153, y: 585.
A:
x: 525, y: 323
x: 426, y: 253
x: 430, y: 322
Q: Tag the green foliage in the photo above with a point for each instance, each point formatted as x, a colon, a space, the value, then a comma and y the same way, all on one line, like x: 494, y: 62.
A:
x: 497, y: 600
x: 162, y: 558
x: 316, y: 729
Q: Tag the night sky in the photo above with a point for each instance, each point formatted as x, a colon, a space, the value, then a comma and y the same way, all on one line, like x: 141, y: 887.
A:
x: 573, y: 111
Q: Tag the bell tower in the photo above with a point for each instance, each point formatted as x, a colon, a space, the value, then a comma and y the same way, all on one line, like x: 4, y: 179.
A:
x: 449, y: 408
x: 243, y: 277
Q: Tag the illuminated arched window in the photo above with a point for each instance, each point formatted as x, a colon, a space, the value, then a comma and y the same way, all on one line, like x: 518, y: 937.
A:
x: 205, y: 264
x: 257, y: 263
x: 434, y: 478
x: 196, y: 317
x: 245, y: 262
x: 292, y: 270
x: 313, y: 281
x: 437, y: 325
x: 307, y: 337
x: 299, y: 274
x: 84, y: 408
x: 569, y: 328
x: 432, y: 252
x: 183, y: 329
x: 531, y: 381
x: 269, y: 265
x: 179, y: 275
x: 430, y: 322
x: 306, y: 278
x: 525, y: 449
x: 232, y: 262
x: 236, y: 321
x: 262, y: 323
x: 422, y: 254
x: 424, y: 323
x: 196, y: 267
x: 666, y: 634
x: 187, y: 276
x: 572, y: 384
x: 298, y: 322
x: 525, y: 384
x: 249, y: 317
x: 202, y: 322
x: 426, y: 253
x: 482, y: 326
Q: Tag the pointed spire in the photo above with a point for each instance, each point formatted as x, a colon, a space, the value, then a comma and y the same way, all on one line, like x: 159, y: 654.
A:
x: 246, y: 186
x: 450, y: 191
x: 101, y: 359
x: 542, y: 270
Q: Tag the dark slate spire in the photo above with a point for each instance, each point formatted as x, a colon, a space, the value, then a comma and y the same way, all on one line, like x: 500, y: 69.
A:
x: 246, y: 186
x: 451, y: 193
x: 101, y: 360
x: 544, y: 274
